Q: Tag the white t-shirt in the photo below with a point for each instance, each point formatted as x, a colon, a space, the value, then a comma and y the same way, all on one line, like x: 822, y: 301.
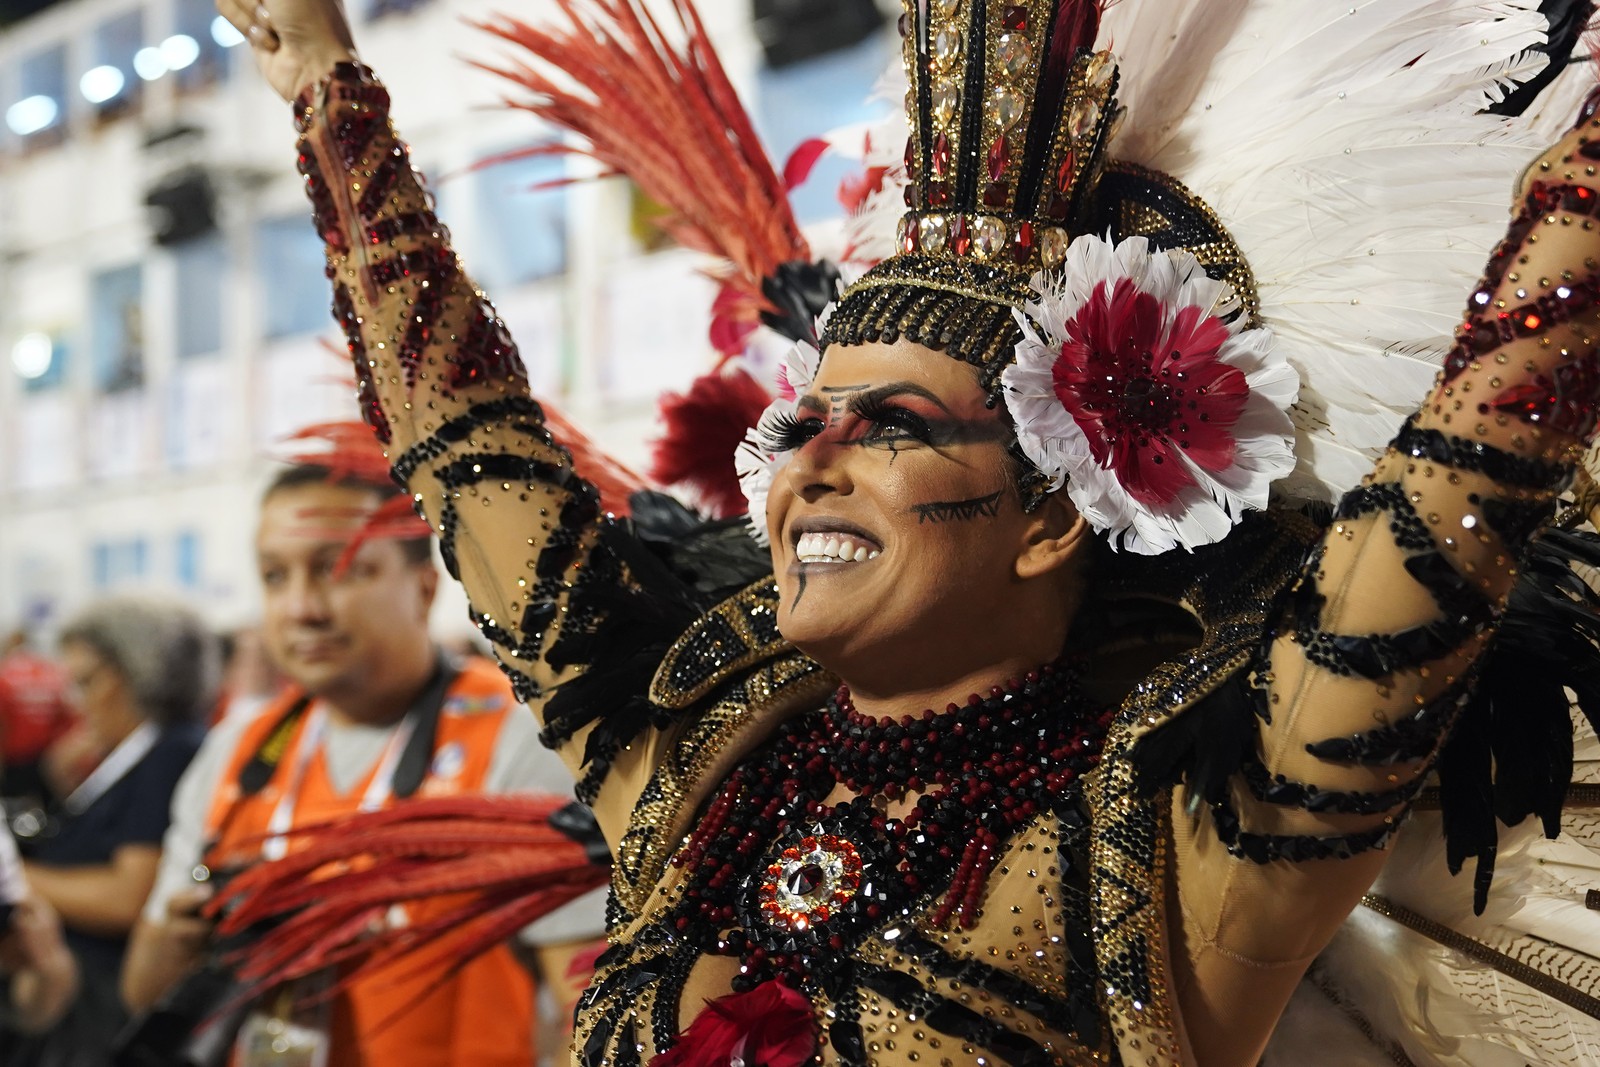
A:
x: 520, y: 764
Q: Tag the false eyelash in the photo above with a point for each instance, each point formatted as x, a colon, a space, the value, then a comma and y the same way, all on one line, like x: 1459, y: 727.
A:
x: 880, y: 414
x: 784, y: 431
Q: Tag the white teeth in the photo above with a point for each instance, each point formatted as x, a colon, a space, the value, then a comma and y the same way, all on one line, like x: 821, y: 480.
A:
x: 831, y: 548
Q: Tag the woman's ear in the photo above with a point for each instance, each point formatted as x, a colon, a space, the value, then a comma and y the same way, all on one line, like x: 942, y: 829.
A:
x: 1054, y: 537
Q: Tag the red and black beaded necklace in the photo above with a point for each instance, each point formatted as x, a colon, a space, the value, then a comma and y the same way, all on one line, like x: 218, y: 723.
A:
x: 788, y: 882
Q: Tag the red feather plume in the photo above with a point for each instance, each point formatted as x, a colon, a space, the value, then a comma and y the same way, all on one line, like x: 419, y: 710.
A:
x: 482, y: 866
x: 703, y: 427
x: 663, y: 112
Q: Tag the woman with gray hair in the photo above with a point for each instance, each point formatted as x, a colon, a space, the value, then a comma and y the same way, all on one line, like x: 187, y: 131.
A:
x: 144, y: 673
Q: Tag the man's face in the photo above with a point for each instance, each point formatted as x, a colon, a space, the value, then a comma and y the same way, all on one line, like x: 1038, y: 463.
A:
x: 897, y: 462
x: 336, y: 632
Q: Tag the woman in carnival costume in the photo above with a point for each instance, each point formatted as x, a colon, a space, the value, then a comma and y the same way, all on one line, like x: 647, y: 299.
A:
x: 1044, y: 735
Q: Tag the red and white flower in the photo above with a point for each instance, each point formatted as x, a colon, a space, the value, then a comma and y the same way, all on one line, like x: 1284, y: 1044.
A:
x: 1165, y: 421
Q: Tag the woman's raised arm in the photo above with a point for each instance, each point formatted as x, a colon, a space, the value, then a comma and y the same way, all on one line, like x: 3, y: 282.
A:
x: 1357, y: 693
x: 555, y: 585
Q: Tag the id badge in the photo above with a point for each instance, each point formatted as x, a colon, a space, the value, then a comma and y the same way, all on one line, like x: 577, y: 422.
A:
x: 286, y: 1031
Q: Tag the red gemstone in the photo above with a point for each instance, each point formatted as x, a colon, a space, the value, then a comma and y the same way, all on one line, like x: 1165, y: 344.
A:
x: 1064, y: 172
x: 911, y: 160
x: 997, y: 194
x: 912, y: 240
x: 939, y: 194
x: 1022, y: 242
x: 961, y: 236
x: 941, y: 156
x: 999, y: 152
x: 1058, y: 207
x: 1015, y: 18
x: 911, y: 195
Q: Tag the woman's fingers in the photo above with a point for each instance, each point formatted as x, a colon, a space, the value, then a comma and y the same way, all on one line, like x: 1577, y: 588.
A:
x: 251, y: 19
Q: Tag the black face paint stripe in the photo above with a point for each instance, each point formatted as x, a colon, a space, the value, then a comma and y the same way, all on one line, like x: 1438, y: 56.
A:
x: 959, y: 510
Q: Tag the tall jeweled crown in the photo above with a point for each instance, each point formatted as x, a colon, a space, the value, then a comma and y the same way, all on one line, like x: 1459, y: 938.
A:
x: 1010, y: 114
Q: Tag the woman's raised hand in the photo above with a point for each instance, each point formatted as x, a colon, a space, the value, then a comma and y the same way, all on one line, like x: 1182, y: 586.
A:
x: 296, y: 42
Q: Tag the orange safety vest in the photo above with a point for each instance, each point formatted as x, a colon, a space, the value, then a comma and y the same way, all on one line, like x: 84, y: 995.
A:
x: 484, y: 1015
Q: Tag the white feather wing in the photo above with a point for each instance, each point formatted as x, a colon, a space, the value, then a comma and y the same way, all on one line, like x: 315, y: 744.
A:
x: 1345, y: 148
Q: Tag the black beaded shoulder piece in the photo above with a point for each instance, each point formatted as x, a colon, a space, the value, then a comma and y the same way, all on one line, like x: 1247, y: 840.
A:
x: 738, y: 674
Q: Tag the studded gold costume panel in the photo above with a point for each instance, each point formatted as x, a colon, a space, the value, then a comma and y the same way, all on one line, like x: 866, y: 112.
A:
x: 1328, y: 695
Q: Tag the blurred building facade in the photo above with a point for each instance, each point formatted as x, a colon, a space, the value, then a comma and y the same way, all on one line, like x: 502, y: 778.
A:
x: 166, y: 318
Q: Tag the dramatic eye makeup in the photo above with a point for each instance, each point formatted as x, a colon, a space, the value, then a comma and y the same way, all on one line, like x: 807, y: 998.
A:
x: 872, y: 418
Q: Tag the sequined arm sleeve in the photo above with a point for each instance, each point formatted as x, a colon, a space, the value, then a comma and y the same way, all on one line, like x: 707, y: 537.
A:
x: 554, y: 585
x: 1356, y: 694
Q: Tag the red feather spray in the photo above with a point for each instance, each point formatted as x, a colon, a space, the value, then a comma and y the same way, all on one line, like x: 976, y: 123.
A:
x: 661, y: 110
x: 485, y: 866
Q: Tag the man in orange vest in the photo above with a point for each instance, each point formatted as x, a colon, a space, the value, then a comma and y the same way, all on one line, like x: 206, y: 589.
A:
x: 376, y: 714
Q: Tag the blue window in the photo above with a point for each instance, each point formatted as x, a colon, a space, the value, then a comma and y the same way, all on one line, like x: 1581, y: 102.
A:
x: 816, y: 96
x: 524, y: 226
x: 39, y: 109
x: 204, y: 60
x: 116, y: 328
x: 111, y: 84
x: 187, y: 559
x: 295, y: 293
x: 202, y: 269
x: 119, y: 562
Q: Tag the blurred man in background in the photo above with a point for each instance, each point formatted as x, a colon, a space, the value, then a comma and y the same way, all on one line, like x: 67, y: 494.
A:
x: 376, y: 713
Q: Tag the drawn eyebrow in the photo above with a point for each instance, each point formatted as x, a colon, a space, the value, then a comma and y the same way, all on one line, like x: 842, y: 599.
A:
x: 872, y: 397
x: 861, y: 397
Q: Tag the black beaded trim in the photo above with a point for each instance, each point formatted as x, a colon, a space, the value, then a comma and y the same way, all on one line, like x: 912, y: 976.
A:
x: 1415, y: 737
x: 1276, y: 789
x: 948, y: 1017
x: 1516, y: 521
x: 1404, y: 523
x: 665, y: 1010
x: 845, y: 1032
x: 1262, y: 849
x: 1058, y: 1014
x: 476, y: 468
x: 1462, y: 454
x: 462, y: 426
x: 1380, y: 655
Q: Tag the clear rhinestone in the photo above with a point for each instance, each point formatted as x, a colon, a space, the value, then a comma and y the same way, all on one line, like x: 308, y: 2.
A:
x: 1004, y: 107
x: 1083, y: 117
x: 1014, y: 53
x: 1053, y: 246
x: 946, y: 101
x: 946, y: 9
x: 935, y: 232
x: 989, y: 236
x: 1101, y: 66
x: 946, y: 47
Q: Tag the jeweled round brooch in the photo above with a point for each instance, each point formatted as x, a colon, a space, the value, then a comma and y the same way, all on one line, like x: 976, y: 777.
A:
x: 809, y: 881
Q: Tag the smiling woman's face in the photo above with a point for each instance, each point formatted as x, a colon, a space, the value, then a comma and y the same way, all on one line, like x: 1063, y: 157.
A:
x: 896, y: 524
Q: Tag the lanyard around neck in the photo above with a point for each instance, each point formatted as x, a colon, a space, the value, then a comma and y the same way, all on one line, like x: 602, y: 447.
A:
x: 377, y: 793
x: 111, y: 770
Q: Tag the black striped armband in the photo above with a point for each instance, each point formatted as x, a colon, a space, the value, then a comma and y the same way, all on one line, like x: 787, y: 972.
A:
x: 1283, y: 792
x: 459, y: 427
x: 1262, y: 849
x: 1464, y: 455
